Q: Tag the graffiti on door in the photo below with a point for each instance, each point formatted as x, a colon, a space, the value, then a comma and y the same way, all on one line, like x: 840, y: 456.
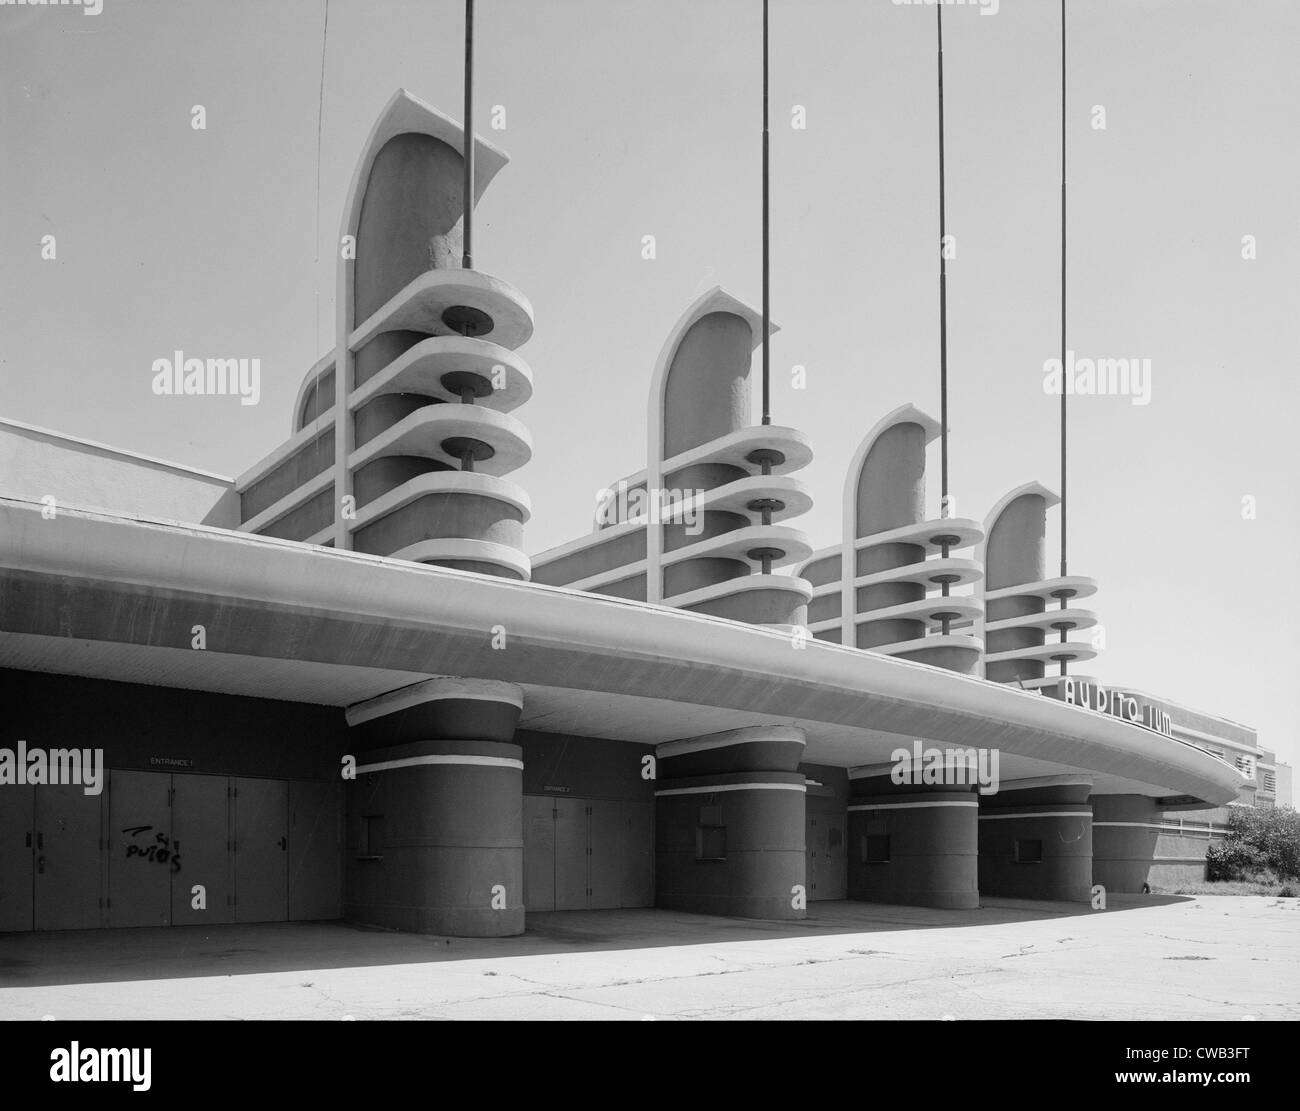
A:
x: 160, y: 852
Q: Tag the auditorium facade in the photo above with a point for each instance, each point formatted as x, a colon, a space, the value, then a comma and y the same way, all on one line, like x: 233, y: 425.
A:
x: 338, y: 687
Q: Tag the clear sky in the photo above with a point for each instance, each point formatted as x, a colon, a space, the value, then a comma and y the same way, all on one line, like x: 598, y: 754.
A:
x: 627, y: 118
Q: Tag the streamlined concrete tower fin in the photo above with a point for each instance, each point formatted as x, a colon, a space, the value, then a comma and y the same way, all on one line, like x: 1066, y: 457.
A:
x: 403, y: 436
x: 887, y: 585
x: 1028, y: 616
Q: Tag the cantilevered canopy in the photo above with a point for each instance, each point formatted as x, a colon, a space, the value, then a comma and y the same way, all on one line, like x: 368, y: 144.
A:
x: 115, y: 597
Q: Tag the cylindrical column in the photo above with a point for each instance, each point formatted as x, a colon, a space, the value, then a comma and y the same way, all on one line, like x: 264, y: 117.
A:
x: 1035, y: 840
x: 729, y: 824
x: 435, y: 812
x: 914, y: 846
x: 1133, y: 850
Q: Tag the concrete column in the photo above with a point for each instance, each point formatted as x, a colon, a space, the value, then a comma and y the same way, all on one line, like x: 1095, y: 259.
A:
x: 913, y: 845
x: 435, y: 814
x: 1133, y: 846
x: 729, y: 824
x: 1035, y: 840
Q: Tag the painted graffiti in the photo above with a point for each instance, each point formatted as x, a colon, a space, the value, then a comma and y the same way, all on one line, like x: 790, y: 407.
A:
x: 160, y: 852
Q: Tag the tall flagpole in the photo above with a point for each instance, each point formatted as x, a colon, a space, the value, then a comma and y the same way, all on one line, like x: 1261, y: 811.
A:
x: 943, y: 292
x: 767, y: 303
x: 945, y: 540
x: 766, y: 457
x: 467, y: 224
x: 1065, y: 592
x: 1063, y: 342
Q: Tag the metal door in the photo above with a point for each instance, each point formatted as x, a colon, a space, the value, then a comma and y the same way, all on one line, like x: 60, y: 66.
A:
x: 833, y: 875
x: 607, y: 837
x: 315, y: 859
x: 69, y: 876
x: 261, y: 846
x: 140, y: 859
x: 827, y: 864
x: 638, y: 863
x: 539, y: 853
x: 811, y: 837
x: 201, y: 842
x: 17, y: 867
x: 571, y: 853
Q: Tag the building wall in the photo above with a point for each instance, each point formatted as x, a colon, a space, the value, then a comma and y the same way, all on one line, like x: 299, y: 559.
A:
x: 1284, y: 796
x: 221, y: 734
x: 213, y: 808
x: 36, y: 463
x: 1136, y: 843
x: 589, y: 816
x: 313, y: 457
x: 584, y: 766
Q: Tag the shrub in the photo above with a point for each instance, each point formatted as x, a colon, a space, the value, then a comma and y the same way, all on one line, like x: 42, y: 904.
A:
x: 1259, y: 841
x: 1233, y: 860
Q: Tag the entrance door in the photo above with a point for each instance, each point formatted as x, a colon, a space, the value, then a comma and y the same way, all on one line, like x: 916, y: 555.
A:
x: 587, y: 854
x: 571, y: 851
x: 69, y: 884
x: 17, y: 839
x: 606, y: 855
x: 811, y: 830
x: 825, y: 859
x: 315, y: 876
x: 201, y: 841
x: 539, y: 853
x: 140, y: 859
x: 833, y: 878
x: 261, y: 850
x: 638, y: 854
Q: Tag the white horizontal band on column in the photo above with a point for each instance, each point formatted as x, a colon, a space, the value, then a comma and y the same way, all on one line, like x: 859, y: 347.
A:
x: 733, y: 787
x: 414, y: 761
x: 1167, y: 829
x: 1041, y: 814
x: 912, y: 805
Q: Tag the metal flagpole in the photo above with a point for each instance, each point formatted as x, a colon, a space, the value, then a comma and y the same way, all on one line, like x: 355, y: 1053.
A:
x: 1063, y: 342
x: 767, y: 268
x: 467, y: 225
x: 943, y: 291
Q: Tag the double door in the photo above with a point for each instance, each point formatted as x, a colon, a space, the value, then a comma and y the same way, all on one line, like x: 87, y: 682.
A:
x: 157, y: 849
x: 587, y: 854
x: 193, y: 848
x: 50, y: 858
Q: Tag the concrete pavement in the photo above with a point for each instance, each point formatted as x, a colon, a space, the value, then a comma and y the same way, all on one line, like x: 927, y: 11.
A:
x: 1142, y: 958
